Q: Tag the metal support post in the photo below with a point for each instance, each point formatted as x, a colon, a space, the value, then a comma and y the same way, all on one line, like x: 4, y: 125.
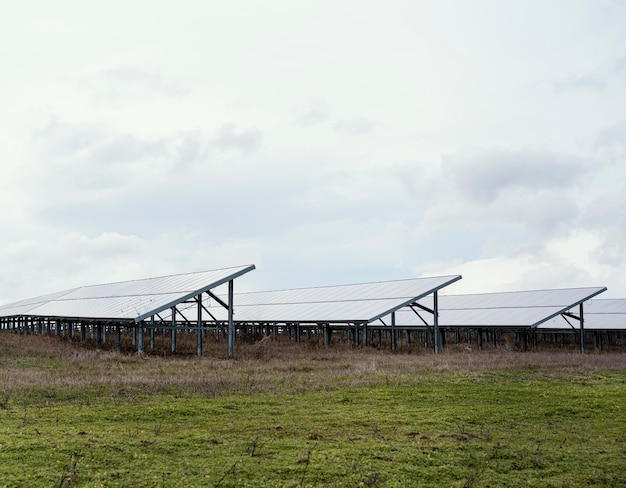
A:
x: 173, y: 329
x: 140, y: 345
x: 364, y: 334
x: 199, y: 327
x: 118, y: 338
x: 436, y: 321
x: 152, y: 332
x: 582, y: 328
x: 231, y: 324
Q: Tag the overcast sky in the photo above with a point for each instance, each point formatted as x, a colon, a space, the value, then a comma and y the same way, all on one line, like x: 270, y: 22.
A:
x: 326, y: 142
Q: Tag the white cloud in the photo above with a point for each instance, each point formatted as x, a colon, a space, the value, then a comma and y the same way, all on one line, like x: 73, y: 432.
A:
x: 584, y: 83
x: 314, y: 112
x: 561, y: 263
x: 325, y: 142
x: 228, y: 137
x: 484, y: 176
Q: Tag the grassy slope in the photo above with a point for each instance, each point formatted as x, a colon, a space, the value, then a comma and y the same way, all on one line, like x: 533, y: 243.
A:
x: 286, y: 416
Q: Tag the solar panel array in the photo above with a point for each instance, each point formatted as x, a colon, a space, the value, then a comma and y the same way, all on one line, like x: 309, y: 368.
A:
x: 127, y: 300
x: 363, y: 302
x: 599, y: 314
x: 507, y: 309
x: 357, y: 303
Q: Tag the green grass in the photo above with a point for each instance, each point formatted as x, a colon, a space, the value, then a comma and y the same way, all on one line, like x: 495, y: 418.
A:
x: 370, y: 420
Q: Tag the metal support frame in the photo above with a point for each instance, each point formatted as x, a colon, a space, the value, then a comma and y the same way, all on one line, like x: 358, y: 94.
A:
x: 581, y: 324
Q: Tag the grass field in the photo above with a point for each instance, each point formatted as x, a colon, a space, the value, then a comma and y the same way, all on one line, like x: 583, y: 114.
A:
x: 291, y: 415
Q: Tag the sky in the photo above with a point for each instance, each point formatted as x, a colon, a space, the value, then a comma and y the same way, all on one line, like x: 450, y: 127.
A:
x: 326, y: 142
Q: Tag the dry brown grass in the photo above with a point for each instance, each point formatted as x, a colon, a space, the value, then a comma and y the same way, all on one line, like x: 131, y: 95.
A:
x: 39, y: 362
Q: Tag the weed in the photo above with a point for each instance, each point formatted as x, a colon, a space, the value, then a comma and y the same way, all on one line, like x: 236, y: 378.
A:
x: 485, y: 433
x: 25, y: 416
x: 231, y: 470
x: 306, y: 461
x: 4, y: 402
x: 251, y: 449
x: 372, y: 480
x: 70, y: 473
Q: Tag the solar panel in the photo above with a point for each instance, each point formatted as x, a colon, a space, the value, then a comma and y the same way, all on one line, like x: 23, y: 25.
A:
x: 23, y: 307
x: 599, y: 314
x: 127, y: 300
x: 507, y: 309
x: 363, y: 302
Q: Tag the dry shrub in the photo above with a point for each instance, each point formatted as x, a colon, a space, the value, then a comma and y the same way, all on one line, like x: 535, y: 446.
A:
x: 264, y: 366
x: 262, y: 348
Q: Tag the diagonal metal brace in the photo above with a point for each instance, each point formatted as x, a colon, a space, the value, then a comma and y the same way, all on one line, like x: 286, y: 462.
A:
x: 419, y: 305
x: 218, y: 300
